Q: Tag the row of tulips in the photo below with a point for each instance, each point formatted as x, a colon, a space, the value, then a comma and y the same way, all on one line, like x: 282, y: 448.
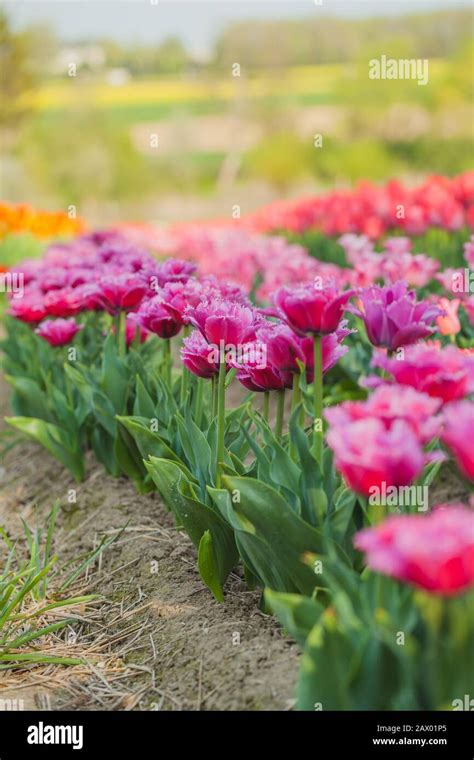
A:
x: 22, y: 218
x: 252, y: 424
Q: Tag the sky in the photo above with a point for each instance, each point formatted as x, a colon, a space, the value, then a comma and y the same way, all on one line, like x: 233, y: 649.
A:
x: 196, y: 22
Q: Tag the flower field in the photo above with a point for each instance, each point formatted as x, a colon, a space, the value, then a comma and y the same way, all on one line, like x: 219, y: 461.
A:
x: 297, y: 388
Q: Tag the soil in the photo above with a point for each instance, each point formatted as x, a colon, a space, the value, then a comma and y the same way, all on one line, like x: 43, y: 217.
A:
x: 156, y: 639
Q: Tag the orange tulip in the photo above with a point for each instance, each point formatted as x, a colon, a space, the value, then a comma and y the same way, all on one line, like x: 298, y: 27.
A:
x: 449, y: 324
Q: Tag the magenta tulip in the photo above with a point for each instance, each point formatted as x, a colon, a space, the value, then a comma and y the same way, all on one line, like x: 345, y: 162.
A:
x: 58, y: 332
x: 446, y: 373
x: 434, y: 552
x: 311, y: 310
x: 369, y: 455
x: 457, y: 434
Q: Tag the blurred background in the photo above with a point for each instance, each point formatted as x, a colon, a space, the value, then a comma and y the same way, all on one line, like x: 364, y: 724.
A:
x: 179, y: 110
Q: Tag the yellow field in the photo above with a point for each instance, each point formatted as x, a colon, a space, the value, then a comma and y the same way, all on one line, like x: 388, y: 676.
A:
x: 305, y: 80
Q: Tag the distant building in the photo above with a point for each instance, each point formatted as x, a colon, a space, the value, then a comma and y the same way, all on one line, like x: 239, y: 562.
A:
x: 90, y: 56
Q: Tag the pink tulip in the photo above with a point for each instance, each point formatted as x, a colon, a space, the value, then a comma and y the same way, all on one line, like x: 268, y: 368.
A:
x: 154, y: 316
x: 449, y: 278
x: 259, y: 379
x: 446, y: 373
x: 224, y: 323
x: 369, y: 455
x: 389, y: 403
x: 64, y: 302
x: 310, y: 309
x: 284, y: 348
x: 393, y: 317
x: 123, y: 292
x: 197, y: 357
x: 58, y: 332
x: 175, y: 270
x: 469, y: 252
x: 434, y: 552
x: 416, y: 270
x: 28, y: 309
x: 457, y: 434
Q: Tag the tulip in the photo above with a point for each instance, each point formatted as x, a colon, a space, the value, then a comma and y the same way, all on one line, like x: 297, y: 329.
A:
x: 318, y: 311
x: 434, y: 552
x: 155, y: 317
x: 393, y: 317
x: 389, y: 403
x: 369, y: 455
x: 28, y: 309
x: 309, y: 309
x: 417, y: 270
x: 469, y: 252
x: 446, y: 373
x: 449, y: 323
x: 58, y: 332
x: 224, y: 323
x: 175, y: 270
x: 457, y: 434
x: 197, y: 357
x: 119, y: 293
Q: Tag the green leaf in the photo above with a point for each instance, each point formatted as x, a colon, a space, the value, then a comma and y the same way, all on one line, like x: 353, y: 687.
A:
x: 297, y: 614
x: 55, y: 440
x: 258, y: 512
x: 178, y: 492
x: 208, y: 566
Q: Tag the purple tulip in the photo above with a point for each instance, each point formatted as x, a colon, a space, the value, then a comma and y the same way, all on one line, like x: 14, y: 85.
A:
x: 393, y: 317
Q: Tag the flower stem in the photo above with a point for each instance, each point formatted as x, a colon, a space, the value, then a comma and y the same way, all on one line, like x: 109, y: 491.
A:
x: 266, y: 405
x: 295, y: 396
x: 120, y: 332
x: 318, y: 398
x: 214, y: 395
x: 220, y: 421
x: 168, y: 361
x: 199, y: 399
x: 184, y: 373
x: 280, y: 412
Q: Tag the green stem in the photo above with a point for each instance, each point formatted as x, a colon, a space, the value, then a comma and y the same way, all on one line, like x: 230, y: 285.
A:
x: 220, y: 421
x: 199, y: 399
x: 120, y: 332
x: 295, y: 395
x: 214, y: 395
x: 266, y: 405
x: 185, y: 374
x: 168, y: 361
x: 318, y: 398
x: 280, y: 412
x: 295, y: 398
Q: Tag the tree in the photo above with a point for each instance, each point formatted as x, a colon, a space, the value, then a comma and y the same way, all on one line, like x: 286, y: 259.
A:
x: 17, y: 77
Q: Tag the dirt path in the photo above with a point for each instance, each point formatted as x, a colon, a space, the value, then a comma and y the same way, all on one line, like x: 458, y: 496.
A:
x: 157, y: 640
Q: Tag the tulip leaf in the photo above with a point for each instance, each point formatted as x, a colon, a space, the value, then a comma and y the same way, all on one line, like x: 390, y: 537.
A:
x: 219, y: 552
x: 55, y: 440
x: 273, y: 538
x: 297, y: 614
